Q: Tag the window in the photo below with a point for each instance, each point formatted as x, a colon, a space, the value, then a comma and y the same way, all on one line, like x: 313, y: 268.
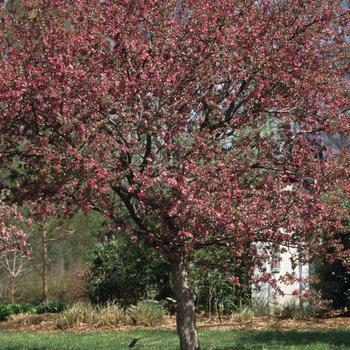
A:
x: 276, y: 261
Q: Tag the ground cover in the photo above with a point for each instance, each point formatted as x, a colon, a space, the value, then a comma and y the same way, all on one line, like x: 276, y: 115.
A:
x: 45, y: 323
x: 167, y: 339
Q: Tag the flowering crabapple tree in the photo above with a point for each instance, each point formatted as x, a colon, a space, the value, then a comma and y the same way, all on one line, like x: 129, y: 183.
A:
x: 162, y: 108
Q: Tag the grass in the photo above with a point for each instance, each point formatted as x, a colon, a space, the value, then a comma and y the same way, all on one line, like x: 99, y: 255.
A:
x: 142, y: 314
x: 164, y: 340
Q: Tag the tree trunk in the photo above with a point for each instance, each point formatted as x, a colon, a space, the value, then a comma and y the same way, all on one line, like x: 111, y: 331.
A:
x: 44, y: 272
x: 185, y: 310
x: 13, y: 289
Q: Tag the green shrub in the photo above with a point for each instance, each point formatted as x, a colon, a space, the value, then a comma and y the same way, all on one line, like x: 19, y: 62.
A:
x: 126, y: 272
x: 334, y: 277
x: 22, y: 308
x: 209, y: 276
x: 52, y: 306
x: 5, y: 312
x: 15, y: 308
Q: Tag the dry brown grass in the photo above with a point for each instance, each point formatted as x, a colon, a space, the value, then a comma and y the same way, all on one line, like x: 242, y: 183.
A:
x: 143, y: 314
x: 22, y: 320
x: 47, y: 323
x: 146, y: 314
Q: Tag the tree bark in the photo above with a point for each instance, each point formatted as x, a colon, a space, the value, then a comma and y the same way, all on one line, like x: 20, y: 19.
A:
x: 13, y: 289
x: 185, y: 310
x: 44, y: 272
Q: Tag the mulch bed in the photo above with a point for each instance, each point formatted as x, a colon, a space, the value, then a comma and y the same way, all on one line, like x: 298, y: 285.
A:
x: 45, y: 324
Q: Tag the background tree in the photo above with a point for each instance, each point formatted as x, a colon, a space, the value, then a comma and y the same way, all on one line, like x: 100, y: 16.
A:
x: 160, y: 105
x: 14, y: 265
x: 46, y: 234
x: 60, y: 248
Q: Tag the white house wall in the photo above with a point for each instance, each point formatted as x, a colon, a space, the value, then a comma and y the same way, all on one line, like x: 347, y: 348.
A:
x: 268, y: 297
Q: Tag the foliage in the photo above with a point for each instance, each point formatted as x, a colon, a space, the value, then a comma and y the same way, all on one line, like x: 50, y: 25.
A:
x: 75, y: 247
x: 74, y: 281
x: 5, y: 312
x: 111, y: 315
x: 126, y: 272
x: 212, y: 290
x: 52, y: 306
x: 158, y: 107
x: 22, y: 308
x: 12, y: 235
x: 333, y: 275
x: 180, y: 148
x: 220, y: 280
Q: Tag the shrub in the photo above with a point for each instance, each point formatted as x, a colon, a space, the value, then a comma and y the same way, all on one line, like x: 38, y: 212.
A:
x: 334, y: 277
x: 210, y: 277
x: 147, y: 313
x: 15, y: 309
x: 52, y: 306
x: 5, y: 312
x: 126, y: 272
x: 21, y: 308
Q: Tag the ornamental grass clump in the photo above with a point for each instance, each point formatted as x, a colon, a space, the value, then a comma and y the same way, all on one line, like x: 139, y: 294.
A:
x: 111, y: 315
x: 147, y: 313
x: 80, y: 315
x: 76, y: 316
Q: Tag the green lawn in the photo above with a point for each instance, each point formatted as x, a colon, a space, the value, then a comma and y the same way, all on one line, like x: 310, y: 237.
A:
x: 218, y: 340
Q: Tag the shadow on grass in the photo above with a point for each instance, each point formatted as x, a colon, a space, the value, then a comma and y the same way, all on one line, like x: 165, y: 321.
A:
x: 333, y: 339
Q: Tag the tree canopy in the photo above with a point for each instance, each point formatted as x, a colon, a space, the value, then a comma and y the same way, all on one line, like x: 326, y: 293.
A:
x: 161, y: 107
